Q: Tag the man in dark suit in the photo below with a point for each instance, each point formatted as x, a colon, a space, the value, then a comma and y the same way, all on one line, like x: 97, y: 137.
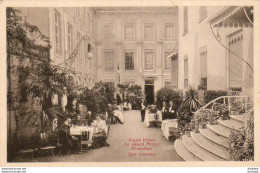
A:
x: 172, y: 114
x: 164, y: 111
x: 143, y: 108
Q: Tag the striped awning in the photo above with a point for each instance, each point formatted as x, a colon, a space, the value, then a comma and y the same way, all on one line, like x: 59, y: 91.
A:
x: 233, y: 16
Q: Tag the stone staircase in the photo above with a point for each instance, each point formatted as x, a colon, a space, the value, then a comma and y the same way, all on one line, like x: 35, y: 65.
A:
x: 211, y: 143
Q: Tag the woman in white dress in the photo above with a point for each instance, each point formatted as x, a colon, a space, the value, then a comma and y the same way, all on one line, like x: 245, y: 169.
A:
x: 119, y: 115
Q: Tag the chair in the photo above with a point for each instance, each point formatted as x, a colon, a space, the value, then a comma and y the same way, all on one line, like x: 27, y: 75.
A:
x: 27, y: 152
x: 84, y: 140
x: 45, y: 143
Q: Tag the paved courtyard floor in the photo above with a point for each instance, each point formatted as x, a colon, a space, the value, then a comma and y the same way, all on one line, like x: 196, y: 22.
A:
x: 158, y: 148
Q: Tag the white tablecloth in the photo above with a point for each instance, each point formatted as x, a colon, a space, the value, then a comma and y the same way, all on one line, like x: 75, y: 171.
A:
x: 78, y: 129
x: 166, y: 124
x: 151, y: 117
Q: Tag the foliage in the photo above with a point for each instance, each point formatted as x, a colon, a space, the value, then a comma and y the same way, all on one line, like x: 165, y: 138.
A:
x: 242, y: 142
x: 221, y: 110
x: 131, y: 93
x: 168, y: 94
x: 32, y: 80
x: 97, y: 99
x: 191, y: 102
x: 210, y: 95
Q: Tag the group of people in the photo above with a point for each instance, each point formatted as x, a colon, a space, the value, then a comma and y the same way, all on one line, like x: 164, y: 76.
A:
x: 99, y: 122
x: 168, y: 110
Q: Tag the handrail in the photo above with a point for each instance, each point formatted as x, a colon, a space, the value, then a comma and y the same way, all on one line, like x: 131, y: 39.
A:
x: 221, y: 97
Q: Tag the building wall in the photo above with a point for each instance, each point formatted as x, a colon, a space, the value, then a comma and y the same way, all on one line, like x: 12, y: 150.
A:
x: 82, y: 21
x: 138, y: 43
x: 200, y: 36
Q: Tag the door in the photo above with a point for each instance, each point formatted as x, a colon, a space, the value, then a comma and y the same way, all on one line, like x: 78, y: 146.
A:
x: 149, y: 91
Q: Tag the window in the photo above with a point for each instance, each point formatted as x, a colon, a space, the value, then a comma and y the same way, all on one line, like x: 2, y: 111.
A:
x: 186, y: 78
x: 109, y: 31
x: 149, y: 60
x: 185, y: 20
x: 169, y: 30
x: 167, y: 84
x: 109, y: 59
x: 129, y: 31
x: 69, y: 46
x: 203, y: 68
x: 235, y: 44
x: 149, y: 31
x: 78, y: 57
x: 202, y: 13
x: 129, y: 60
x: 57, y: 28
x: 167, y: 60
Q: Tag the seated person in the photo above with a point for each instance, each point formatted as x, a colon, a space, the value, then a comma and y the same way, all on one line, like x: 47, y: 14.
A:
x: 172, y: 114
x: 109, y: 110
x: 164, y: 111
x: 118, y: 115
x: 78, y: 121
x: 100, y: 132
x: 68, y: 142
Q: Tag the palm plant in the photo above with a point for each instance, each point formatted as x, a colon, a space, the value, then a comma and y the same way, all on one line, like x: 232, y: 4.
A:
x: 191, y: 102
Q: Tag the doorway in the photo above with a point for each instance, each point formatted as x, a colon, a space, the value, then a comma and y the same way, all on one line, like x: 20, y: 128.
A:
x: 149, y: 91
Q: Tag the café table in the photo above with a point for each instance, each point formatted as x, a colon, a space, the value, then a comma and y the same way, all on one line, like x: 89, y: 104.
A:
x: 166, y: 125
x: 76, y: 131
x: 152, y: 117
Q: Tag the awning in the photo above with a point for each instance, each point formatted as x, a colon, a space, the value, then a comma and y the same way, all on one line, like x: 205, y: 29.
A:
x: 173, y: 55
x: 233, y: 16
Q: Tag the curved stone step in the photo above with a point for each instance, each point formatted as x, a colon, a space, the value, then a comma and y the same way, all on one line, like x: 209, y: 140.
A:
x: 220, y: 130
x: 231, y: 124
x: 183, y: 152
x: 210, y: 146
x: 238, y: 118
x: 199, y: 152
x: 210, y: 135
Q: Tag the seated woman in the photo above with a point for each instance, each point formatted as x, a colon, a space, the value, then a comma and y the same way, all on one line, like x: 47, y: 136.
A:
x: 118, y: 115
x: 100, y: 132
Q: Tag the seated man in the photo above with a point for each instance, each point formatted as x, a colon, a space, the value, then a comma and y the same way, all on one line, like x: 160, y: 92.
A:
x: 100, y: 132
x: 68, y: 141
x: 172, y: 114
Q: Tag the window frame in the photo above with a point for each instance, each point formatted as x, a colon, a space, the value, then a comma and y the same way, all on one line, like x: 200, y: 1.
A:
x: 58, y: 49
x: 111, y: 51
x: 69, y: 35
x: 185, y: 20
x: 132, y: 61
x: 133, y: 30
x: 186, y: 71
x: 153, y: 25
x: 111, y: 33
x: 170, y: 51
x: 173, y: 32
x: 153, y: 59
x: 78, y: 57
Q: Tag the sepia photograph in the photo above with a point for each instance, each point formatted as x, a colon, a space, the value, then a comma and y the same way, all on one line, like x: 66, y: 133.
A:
x: 130, y: 83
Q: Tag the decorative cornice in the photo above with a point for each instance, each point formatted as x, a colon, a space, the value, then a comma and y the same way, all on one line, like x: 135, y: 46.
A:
x: 137, y: 10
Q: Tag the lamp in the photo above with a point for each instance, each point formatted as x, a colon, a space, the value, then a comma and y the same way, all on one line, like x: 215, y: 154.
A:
x: 90, y: 54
